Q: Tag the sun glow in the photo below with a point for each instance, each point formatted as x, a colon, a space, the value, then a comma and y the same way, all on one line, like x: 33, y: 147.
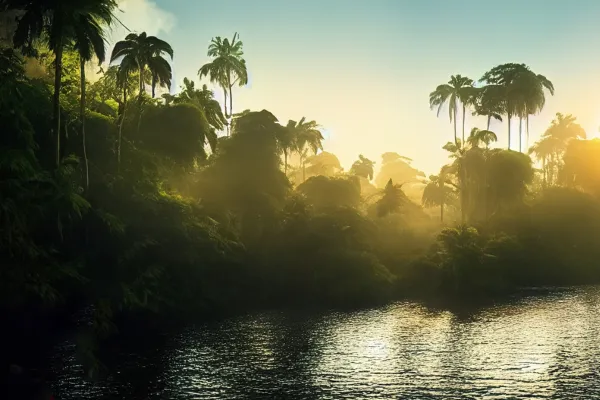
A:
x: 593, y: 132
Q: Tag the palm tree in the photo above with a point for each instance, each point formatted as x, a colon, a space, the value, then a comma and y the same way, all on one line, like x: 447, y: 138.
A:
x: 392, y: 199
x: 500, y: 81
x: 437, y: 193
x: 59, y: 22
x: 545, y: 150
x: 144, y: 51
x: 138, y: 52
x: 521, y: 91
x: 475, y: 165
x: 127, y: 66
x: 227, y: 68
x: 203, y: 99
x: 484, y: 136
x: 458, y: 89
x: 216, y: 71
x: 536, y: 99
x: 363, y: 167
x: 286, y: 139
x: 565, y: 128
x: 89, y: 41
x: 550, y: 148
x: 528, y: 89
x: 307, y: 137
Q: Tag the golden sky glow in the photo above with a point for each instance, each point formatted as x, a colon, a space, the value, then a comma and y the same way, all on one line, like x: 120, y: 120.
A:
x: 364, y: 69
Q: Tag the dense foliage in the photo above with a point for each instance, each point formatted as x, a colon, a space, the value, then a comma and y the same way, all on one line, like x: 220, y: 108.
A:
x: 147, y: 209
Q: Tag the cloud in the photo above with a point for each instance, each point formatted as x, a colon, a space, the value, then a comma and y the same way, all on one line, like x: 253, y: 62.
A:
x: 141, y: 16
x: 137, y: 16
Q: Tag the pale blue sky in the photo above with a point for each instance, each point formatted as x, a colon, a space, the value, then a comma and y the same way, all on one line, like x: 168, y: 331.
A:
x: 364, y: 68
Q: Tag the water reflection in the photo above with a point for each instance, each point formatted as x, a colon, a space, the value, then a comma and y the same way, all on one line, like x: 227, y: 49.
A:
x: 537, y: 347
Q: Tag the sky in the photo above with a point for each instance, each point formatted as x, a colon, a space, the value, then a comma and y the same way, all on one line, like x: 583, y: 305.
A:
x: 363, y: 69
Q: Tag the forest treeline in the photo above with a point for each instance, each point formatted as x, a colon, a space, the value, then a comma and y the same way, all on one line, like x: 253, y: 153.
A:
x: 117, y: 194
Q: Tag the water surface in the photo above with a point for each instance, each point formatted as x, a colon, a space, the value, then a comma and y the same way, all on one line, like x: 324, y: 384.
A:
x: 542, y: 347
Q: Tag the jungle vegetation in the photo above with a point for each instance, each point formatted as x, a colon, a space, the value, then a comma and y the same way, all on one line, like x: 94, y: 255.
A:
x: 122, y: 197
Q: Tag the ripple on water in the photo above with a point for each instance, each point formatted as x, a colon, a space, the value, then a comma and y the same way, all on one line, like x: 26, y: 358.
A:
x: 542, y: 347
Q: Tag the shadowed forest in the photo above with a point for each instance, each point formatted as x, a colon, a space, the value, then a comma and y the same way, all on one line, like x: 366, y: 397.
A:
x: 117, y: 195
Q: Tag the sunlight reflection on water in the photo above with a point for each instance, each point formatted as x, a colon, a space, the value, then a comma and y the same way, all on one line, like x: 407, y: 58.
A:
x: 537, y: 347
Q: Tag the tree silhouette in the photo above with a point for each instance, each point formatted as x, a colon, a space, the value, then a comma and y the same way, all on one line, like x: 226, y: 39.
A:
x: 363, y: 167
x: 227, y: 68
x: 60, y: 23
x: 518, y: 91
x: 458, y: 90
x: 144, y: 51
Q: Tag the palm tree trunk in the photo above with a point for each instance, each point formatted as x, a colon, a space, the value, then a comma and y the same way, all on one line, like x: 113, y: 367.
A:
x: 225, y: 102
x: 231, y: 101
x: 139, y: 121
x: 509, y: 118
x: 225, y: 109
x: 153, y: 86
x: 141, y: 79
x: 489, y: 120
x: 82, y: 114
x: 520, y: 134
x: 442, y: 194
x: 463, y: 197
x: 56, y: 98
x: 463, y: 122
x: 455, y: 134
x: 285, y: 161
x: 527, y: 128
x: 121, y: 125
x: 485, y: 189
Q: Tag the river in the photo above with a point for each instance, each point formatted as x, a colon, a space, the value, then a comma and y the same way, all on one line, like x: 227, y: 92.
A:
x: 536, y: 346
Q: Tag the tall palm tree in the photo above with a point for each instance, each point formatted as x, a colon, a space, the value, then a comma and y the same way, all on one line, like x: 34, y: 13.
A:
x: 521, y: 90
x: 307, y: 137
x: 138, y: 52
x: 227, y: 68
x: 458, y: 90
x: 127, y: 66
x: 145, y: 52
x: 59, y: 22
x: 529, y: 91
x: 468, y: 97
x: 537, y: 100
x: 500, y: 81
x: 89, y: 41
